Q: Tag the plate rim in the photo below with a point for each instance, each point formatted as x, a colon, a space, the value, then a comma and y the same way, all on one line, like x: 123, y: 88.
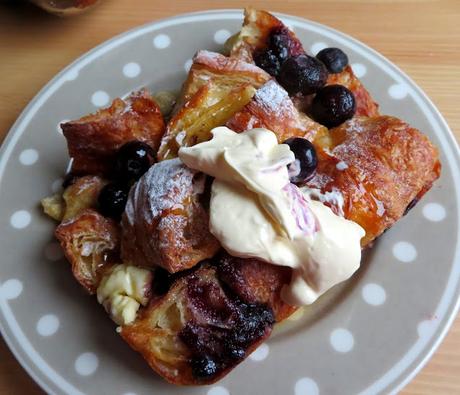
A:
x: 14, y: 133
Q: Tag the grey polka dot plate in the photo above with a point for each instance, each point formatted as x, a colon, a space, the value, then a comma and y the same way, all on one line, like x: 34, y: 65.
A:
x: 369, y: 335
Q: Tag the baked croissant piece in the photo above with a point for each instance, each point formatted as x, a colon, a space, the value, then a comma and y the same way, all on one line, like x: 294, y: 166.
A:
x: 93, y: 140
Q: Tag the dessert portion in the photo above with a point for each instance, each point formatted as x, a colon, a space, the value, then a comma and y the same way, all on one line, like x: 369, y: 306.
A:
x: 200, y: 231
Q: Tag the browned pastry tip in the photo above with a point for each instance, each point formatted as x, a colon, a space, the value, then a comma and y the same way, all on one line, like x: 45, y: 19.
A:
x: 94, y: 139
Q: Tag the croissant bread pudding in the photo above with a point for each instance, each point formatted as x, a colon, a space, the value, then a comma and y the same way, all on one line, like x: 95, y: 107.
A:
x: 200, y: 222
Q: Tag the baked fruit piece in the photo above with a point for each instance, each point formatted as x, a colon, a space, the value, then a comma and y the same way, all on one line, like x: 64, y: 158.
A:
x: 254, y: 37
x: 93, y: 140
x: 215, y: 89
x: 90, y: 242
x: 210, y: 319
x: 165, y: 223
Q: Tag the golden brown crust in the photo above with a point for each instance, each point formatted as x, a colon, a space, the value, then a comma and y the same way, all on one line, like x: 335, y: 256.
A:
x: 165, y: 223
x: 388, y: 163
x: 88, y: 241
x: 93, y: 140
x: 210, y: 107
x: 222, y: 70
x: 216, y: 88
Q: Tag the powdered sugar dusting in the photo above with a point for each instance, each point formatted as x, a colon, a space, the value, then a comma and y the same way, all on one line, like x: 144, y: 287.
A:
x: 209, y: 58
x: 274, y: 97
x: 341, y: 165
x: 154, y: 194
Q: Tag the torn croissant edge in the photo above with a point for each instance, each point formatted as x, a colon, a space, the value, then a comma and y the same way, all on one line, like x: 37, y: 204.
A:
x: 388, y: 165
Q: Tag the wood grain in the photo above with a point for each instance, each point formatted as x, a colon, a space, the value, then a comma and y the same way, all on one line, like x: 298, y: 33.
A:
x: 420, y: 36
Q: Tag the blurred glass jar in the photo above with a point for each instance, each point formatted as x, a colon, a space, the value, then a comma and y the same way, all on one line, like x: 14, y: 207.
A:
x: 65, y: 7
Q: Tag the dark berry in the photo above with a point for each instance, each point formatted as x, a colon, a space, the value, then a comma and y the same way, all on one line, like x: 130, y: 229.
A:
x: 112, y: 200
x: 333, y: 105
x: 268, y: 61
x: 334, y: 59
x: 279, y: 43
x: 132, y: 160
x: 203, y: 366
x: 305, y: 162
x: 302, y: 74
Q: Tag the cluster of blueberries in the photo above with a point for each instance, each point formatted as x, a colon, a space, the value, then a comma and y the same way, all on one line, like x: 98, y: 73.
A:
x: 332, y: 104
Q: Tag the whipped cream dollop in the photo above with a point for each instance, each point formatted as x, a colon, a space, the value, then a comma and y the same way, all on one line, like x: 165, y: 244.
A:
x: 255, y: 212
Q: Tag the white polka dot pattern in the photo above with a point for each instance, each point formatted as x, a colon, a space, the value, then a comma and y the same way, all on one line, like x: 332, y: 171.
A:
x: 219, y: 390
x: 398, y: 91
x: 374, y: 294
x: 48, y: 325
x: 221, y: 36
x: 100, y: 98
x: 260, y: 353
x: 425, y: 328
x: 131, y: 70
x: 86, y: 364
x: 316, y: 47
x: 434, y: 212
x: 28, y: 157
x: 20, y: 219
x: 359, y: 69
x: 11, y: 289
x: 341, y: 340
x: 306, y: 386
x: 404, y: 251
x: 162, y: 41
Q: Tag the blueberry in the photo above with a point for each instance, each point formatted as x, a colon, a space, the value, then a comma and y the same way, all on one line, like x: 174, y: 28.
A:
x: 333, y: 105
x: 132, y: 160
x: 268, y: 61
x: 302, y: 74
x: 334, y: 59
x: 279, y: 42
x: 112, y: 200
x: 203, y: 366
x: 306, y: 160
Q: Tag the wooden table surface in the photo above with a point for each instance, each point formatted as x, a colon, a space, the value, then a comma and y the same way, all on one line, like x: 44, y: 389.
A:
x: 420, y: 36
